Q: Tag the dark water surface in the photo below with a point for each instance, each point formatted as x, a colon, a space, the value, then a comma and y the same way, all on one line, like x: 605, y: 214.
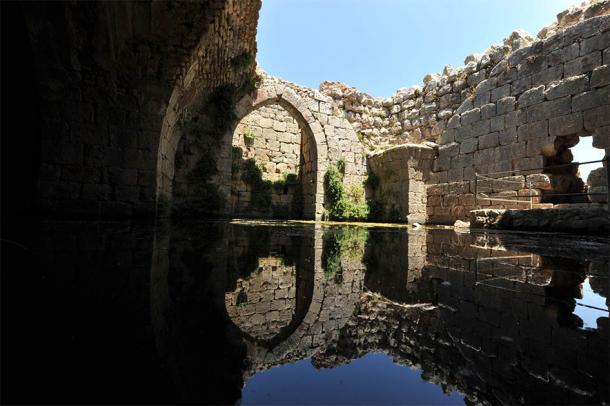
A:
x: 276, y: 313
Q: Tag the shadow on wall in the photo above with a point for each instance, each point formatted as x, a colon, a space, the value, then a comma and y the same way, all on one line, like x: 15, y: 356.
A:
x: 254, y: 196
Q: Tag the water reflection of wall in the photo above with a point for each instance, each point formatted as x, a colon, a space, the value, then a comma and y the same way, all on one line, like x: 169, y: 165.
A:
x: 494, y: 323
x: 265, y: 302
x: 487, y: 314
x: 394, y: 260
x: 333, y: 299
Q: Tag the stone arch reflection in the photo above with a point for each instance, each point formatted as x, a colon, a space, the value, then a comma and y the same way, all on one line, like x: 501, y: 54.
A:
x: 270, y: 284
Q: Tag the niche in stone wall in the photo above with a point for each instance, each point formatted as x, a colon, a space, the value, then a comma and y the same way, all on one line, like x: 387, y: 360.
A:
x: 273, y: 163
x: 575, y: 183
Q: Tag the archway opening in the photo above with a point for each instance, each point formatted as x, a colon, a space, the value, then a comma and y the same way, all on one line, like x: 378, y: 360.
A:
x: 272, y: 165
x: 571, y: 182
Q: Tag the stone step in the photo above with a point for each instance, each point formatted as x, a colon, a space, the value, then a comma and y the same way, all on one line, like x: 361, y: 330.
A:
x: 542, y: 206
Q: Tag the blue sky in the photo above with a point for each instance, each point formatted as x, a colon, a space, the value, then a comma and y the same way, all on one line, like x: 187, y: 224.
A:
x: 379, y: 46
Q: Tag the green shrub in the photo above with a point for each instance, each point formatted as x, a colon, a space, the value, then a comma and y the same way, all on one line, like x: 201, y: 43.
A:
x: 249, y: 137
x: 344, y: 205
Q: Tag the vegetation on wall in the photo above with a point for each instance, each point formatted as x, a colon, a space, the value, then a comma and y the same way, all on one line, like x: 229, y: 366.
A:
x: 344, y: 204
x: 262, y: 190
x: 204, y: 128
x: 249, y: 137
x: 242, y: 61
x: 345, y: 242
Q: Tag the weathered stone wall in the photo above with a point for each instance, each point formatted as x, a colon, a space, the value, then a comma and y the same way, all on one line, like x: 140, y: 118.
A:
x: 105, y: 74
x: 276, y: 149
x: 530, y: 108
x: 326, y: 138
x: 401, y: 174
x: 118, y: 85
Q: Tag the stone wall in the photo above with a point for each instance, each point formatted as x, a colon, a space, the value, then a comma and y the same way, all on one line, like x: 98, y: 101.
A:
x: 119, y: 85
x: 532, y: 103
x: 326, y: 138
x: 272, y: 139
x: 401, y: 174
x: 106, y: 74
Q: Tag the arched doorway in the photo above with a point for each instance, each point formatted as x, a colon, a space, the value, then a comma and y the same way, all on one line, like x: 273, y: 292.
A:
x: 263, y: 164
x: 272, y: 165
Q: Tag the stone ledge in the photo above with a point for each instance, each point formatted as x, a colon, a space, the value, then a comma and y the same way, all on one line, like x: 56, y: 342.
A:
x: 593, y: 220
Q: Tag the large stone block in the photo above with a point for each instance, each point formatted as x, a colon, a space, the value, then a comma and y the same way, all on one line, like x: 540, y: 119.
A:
x: 567, y: 87
x: 469, y: 145
x: 597, y: 117
x: 507, y: 136
x: 489, y: 141
x: 520, y: 85
x: 591, y: 99
x: 583, y: 64
x: 488, y: 110
x: 500, y: 92
x: 548, y: 75
x: 481, y: 127
x: 596, y: 43
x: 531, y: 97
x: 566, y: 125
x: 548, y: 109
x: 496, y: 124
x: 471, y: 116
x: 533, y: 130
x: 505, y: 105
x: 600, y: 76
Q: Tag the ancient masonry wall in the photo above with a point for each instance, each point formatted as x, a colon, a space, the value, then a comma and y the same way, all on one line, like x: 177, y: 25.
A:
x: 519, y: 106
x: 105, y: 75
x: 272, y: 139
x: 541, y: 98
x: 400, y: 191
x: 326, y: 137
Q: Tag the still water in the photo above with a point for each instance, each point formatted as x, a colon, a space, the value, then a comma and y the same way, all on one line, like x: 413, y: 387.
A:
x: 288, y: 313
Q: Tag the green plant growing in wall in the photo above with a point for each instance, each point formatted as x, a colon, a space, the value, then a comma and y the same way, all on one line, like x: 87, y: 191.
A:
x: 261, y: 189
x: 205, y: 127
x: 343, y: 204
x: 249, y: 137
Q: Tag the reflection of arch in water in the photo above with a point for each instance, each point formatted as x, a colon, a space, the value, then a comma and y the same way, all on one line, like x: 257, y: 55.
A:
x: 270, y: 285
x: 194, y: 268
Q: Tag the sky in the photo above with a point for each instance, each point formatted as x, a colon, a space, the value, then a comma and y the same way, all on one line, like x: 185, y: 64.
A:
x: 379, y: 46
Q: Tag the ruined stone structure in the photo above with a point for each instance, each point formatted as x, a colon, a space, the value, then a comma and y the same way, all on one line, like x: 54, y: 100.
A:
x: 140, y: 105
